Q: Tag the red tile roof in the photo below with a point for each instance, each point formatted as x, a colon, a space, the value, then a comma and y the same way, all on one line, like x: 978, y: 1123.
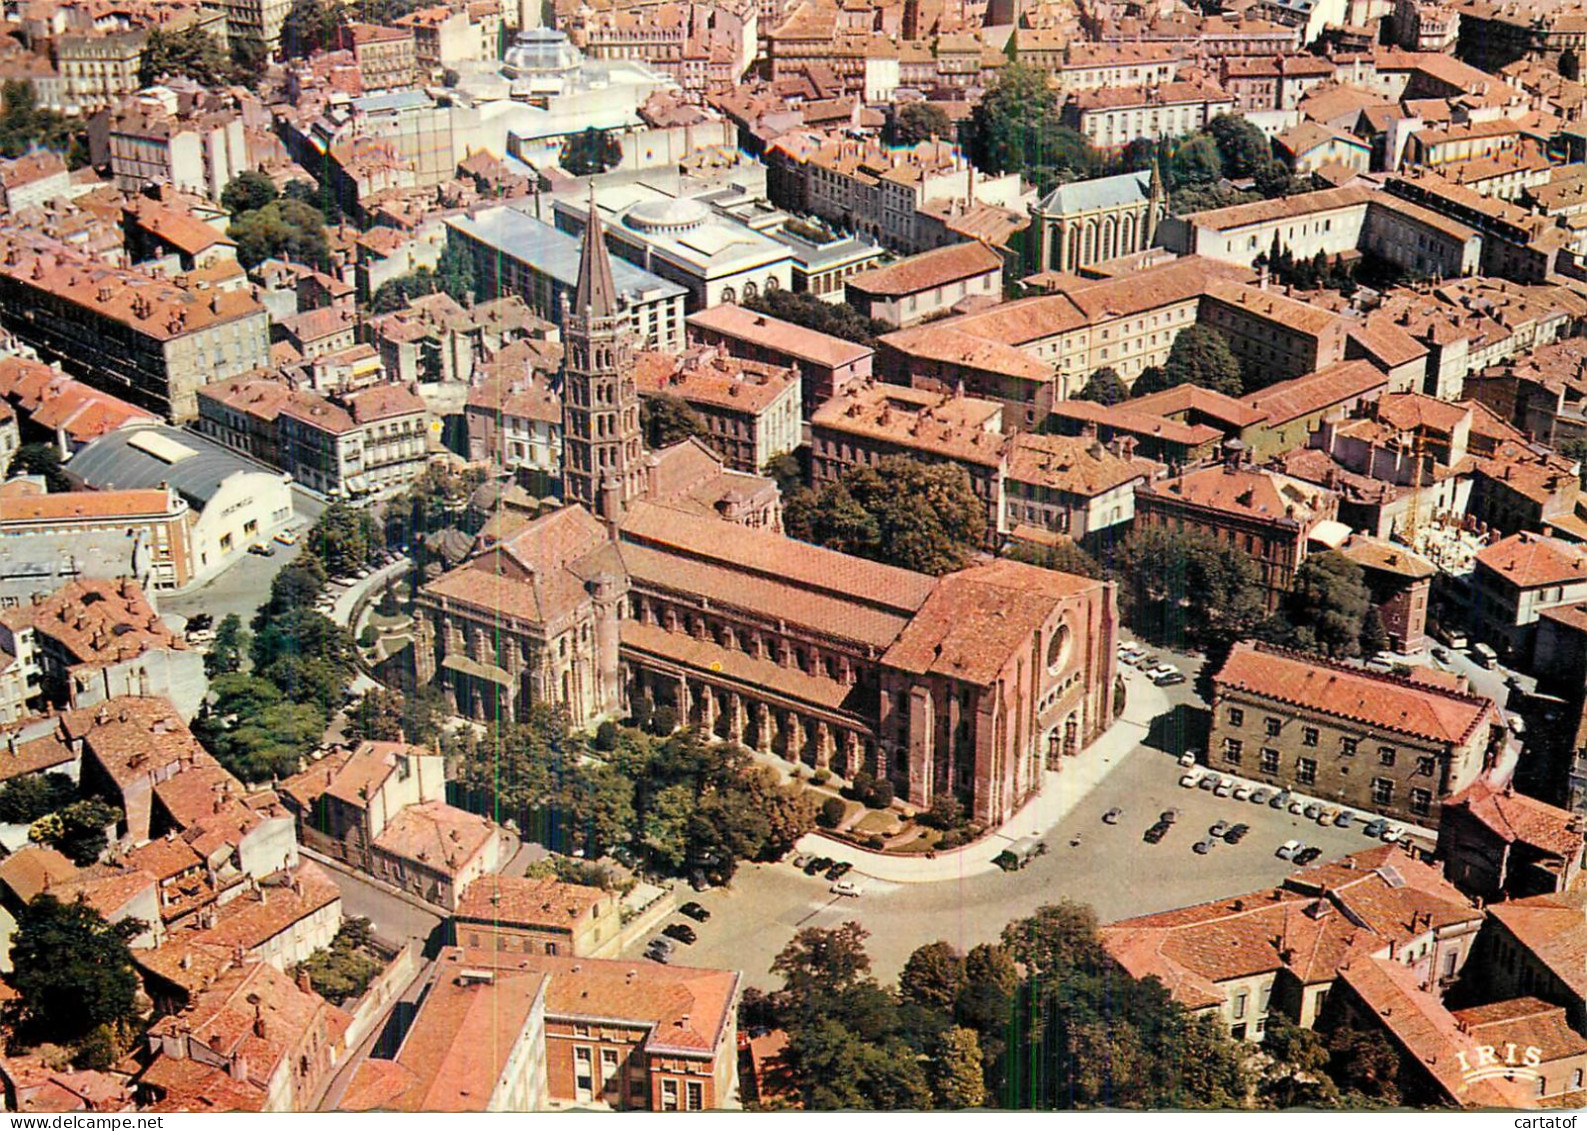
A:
x: 1361, y: 696
x: 935, y: 268
x: 1514, y: 817
x: 1531, y: 561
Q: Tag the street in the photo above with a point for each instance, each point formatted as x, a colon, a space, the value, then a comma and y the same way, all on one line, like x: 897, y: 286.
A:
x: 394, y: 921
x: 243, y: 586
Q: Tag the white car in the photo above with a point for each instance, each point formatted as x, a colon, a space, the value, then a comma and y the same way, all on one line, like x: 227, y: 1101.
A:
x: 1328, y: 816
x: 1161, y: 670
x: 1242, y: 793
x: 1393, y: 834
x: 1190, y: 781
x: 1297, y: 806
x: 1188, y: 758
x: 1287, y: 850
x: 1224, y: 789
x: 846, y: 887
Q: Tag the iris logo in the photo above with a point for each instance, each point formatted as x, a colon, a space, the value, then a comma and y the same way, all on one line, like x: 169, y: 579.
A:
x: 1510, y: 1059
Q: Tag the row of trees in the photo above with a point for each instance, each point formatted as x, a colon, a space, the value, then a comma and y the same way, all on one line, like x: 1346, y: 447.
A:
x: 261, y: 723
x: 679, y: 802
x: 802, y: 308
x: 1200, y: 356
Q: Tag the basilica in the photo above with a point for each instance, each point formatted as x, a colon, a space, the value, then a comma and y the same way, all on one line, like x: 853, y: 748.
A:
x: 666, y: 577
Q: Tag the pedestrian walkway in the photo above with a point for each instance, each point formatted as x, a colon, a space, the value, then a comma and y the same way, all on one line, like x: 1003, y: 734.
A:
x: 1061, y: 791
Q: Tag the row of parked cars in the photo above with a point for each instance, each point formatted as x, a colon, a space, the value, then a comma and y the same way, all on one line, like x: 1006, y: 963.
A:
x: 834, y: 870
x: 1163, y: 675
x: 1324, y: 814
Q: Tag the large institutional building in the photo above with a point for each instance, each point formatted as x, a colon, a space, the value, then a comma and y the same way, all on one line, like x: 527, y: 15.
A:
x: 667, y: 578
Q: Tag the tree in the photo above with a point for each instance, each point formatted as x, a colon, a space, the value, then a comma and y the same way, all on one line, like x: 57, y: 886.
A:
x: 345, y: 539
x: 1201, y: 356
x: 590, y: 153
x: 1197, y: 162
x: 227, y: 650
x: 72, y: 971
x: 1298, y: 1073
x: 786, y: 471
x: 1149, y: 380
x: 916, y: 122
x: 822, y: 961
x: 1104, y: 388
x: 345, y: 968
x: 667, y: 420
x: 1327, y: 603
x: 254, y: 731
x: 923, y: 517
x: 933, y: 976
x: 317, y: 196
x: 1058, y: 939
x: 957, y: 1078
x: 1242, y: 147
x: 189, y: 52
x: 25, y: 127
x: 1016, y: 128
x: 43, y: 460
x: 838, y: 319
x: 282, y: 229
x: 453, y: 275
x: 310, y: 26
x: 307, y: 655
x: 1363, y: 1061
x: 1063, y: 557
x: 1273, y: 178
x: 1187, y: 588
x: 598, y: 805
x: 25, y: 799
x: 77, y: 830
x: 1374, y: 636
x: 1570, y: 65
x: 248, y: 191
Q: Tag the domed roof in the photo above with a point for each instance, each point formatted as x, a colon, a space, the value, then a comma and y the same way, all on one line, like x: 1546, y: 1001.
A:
x: 667, y: 215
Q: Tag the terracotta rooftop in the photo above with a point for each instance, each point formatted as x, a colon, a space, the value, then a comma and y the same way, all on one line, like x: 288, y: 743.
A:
x: 103, y: 622
x: 1387, y: 557
x: 87, y: 505
x: 965, y: 429
x: 1254, y: 492
x: 1194, y: 400
x: 1072, y: 464
x: 1280, y: 208
x: 1314, y: 392
x: 1516, y: 818
x: 134, y: 737
x: 936, y: 268
x: 1356, y: 694
x: 712, y: 378
x: 351, y: 775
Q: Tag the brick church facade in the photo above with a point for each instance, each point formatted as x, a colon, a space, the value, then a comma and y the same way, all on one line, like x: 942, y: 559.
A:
x: 667, y: 577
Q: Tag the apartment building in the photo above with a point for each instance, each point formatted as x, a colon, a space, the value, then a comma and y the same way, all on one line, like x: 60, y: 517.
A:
x: 85, y: 530
x: 360, y: 443
x: 149, y: 341
x: 1113, y: 116
x: 1515, y: 580
x: 386, y: 56
x: 520, y: 915
x: 827, y: 366
x: 928, y: 285
x: 192, y: 142
x: 1388, y: 744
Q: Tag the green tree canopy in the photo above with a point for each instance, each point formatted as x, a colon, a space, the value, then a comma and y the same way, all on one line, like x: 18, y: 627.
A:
x: 189, y: 52
x: 282, y: 229
x: 227, y: 650
x: 43, y: 460
x: 590, y: 153
x: 345, y: 539
x: 72, y: 971
x: 1242, y: 147
x: 344, y: 969
x: 1187, y: 588
x: 1196, y: 162
x: 25, y: 126
x: 1201, y: 356
x: 248, y: 191
x: 25, y: 799
x: 1064, y: 557
x: 1327, y: 604
x: 254, y: 731
x: 958, y: 1078
x: 312, y: 25
x: 1105, y: 387
x: 919, y: 516
x: 78, y: 830
x: 453, y: 275
x: 915, y: 122
x: 933, y: 975
x: 802, y: 308
x: 1016, y: 128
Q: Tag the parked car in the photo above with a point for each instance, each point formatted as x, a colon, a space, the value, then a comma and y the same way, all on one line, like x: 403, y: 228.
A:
x: 1211, y: 781
x: 1161, y: 670
x: 1202, y: 847
x: 1156, y: 833
x: 819, y: 864
x: 1393, y: 834
x: 801, y: 860
x: 1297, y: 807
x: 1260, y: 794
x: 1187, y: 759
x: 1280, y: 799
x: 661, y: 942
x: 1374, y: 829
x: 1237, y: 833
x: 1224, y: 788
x: 1328, y: 816
x: 694, y: 911
x: 660, y: 956
x: 1288, y: 849
x: 1312, y: 811
x: 1169, y: 680
x: 839, y: 870
x: 1111, y: 817
x: 1242, y: 792
x: 1190, y: 781
x: 846, y: 887
x: 263, y: 549
x: 1440, y: 655
x: 287, y: 537
x: 1169, y: 816
x: 1345, y: 819
x: 682, y: 932
x: 1218, y: 829
x: 1306, y: 855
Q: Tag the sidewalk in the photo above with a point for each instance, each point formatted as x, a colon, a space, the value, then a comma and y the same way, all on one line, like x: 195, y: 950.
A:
x: 1061, y: 791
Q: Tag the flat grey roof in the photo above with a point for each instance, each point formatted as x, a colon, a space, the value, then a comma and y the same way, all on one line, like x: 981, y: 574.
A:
x: 555, y: 253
